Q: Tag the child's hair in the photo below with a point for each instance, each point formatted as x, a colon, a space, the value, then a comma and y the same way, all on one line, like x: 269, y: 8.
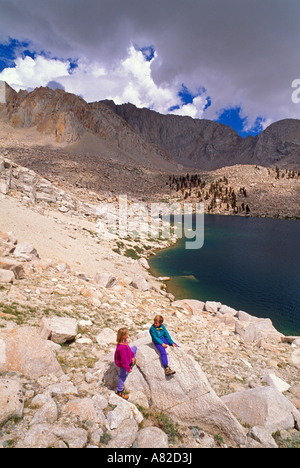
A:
x: 159, y: 318
x: 121, y: 334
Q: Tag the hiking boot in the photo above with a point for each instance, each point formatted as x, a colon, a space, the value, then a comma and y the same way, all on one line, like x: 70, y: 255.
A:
x: 123, y: 395
x: 169, y: 371
x: 132, y: 364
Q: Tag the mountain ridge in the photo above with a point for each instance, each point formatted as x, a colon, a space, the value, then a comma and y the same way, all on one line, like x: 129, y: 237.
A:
x: 67, y: 118
x: 146, y: 138
x: 209, y: 145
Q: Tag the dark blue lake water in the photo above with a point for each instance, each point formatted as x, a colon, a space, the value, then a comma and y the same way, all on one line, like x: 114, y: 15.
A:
x: 250, y: 264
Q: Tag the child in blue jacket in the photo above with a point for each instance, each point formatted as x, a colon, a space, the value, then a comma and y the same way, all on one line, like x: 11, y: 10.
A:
x: 162, y: 339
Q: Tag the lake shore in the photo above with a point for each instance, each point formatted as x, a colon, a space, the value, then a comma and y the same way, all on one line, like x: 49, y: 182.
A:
x: 213, y: 273
x: 77, y: 275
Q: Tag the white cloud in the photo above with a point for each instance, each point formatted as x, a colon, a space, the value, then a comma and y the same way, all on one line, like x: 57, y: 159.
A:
x: 31, y: 73
x: 140, y: 88
x: 129, y: 81
x: 194, y: 109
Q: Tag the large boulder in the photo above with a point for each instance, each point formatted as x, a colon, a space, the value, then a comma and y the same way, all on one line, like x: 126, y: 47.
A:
x: 7, y: 276
x: 23, y: 350
x: 265, y: 407
x: 257, y: 329
x: 152, y: 437
x: 187, y: 397
x: 11, y: 399
x: 191, y: 306
x: 59, y: 329
x: 139, y: 282
x: 12, y: 265
x: 26, y: 252
x: 106, y: 280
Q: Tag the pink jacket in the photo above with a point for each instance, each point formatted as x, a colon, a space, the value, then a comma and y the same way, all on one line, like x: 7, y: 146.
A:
x: 124, y: 356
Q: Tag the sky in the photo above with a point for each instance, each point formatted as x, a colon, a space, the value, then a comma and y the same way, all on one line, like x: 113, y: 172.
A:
x: 233, y: 61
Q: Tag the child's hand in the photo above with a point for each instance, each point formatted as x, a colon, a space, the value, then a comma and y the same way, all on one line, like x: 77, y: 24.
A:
x: 133, y: 361
x: 164, y: 345
x: 174, y: 345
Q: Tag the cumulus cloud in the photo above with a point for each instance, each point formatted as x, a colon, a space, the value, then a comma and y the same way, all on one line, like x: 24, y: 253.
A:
x: 244, y: 53
x: 30, y: 73
x: 130, y: 81
x: 194, y: 109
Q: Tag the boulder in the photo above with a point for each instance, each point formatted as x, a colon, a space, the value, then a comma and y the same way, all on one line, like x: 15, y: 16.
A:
x: 253, y: 331
x: 264, y: 407
x: 225, y: 310
x: 106, y: 280
x: 4, y: 187
x: 273, y: 381
x: 187, y: 397
x: 245, y: 317
x: 7, y: 276
x: 26, y: 252
x: 144, y: 263
x: 152, y: 437
x: 213, y: 307
x: 123, y: 410
x: 86, y: 409
x: 295, y: 340
x: 124, y: 436
x: 16, y: 267
x: 263, y: 436
x: 58, y: 329
x: 191, y: 306
x: 106, y: 336
x: 11, y: 399
x: 48, y: 413
x: 140, y: 283
x: 23, y: 350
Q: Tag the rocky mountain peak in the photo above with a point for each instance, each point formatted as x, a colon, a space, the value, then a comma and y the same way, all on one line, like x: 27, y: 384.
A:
x: 210, y: 145
x: 145, y: 137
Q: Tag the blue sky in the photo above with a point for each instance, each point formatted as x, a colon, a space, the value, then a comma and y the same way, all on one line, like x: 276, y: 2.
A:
x: 231, y: 61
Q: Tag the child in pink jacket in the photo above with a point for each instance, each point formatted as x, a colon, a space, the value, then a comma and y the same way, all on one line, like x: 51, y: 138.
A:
x: 125, y: 359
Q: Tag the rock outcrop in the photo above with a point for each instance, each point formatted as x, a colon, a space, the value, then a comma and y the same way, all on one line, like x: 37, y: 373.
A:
x: 187, y: 397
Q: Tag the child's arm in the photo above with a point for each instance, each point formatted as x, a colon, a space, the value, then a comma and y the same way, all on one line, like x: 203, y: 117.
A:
x: 167, y: 335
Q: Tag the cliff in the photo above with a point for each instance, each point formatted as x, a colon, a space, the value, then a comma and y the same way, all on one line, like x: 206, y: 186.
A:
x: 68, y: 119
x: 210, y: 145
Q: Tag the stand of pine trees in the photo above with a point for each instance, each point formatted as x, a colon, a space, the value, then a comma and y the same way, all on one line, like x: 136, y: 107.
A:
x: 216, y: 194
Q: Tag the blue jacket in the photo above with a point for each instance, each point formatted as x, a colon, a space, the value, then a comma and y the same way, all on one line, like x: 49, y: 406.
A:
x: 158, y: 333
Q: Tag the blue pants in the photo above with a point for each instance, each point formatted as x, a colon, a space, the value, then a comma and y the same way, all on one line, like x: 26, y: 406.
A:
x: 163, y: 351
x: 124, y: 373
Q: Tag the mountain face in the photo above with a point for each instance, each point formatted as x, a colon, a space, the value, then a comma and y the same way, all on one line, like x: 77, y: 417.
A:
x: 87, y: 128
x: 279, y: 144
x: 146, y: 138
x: 210, y: 145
